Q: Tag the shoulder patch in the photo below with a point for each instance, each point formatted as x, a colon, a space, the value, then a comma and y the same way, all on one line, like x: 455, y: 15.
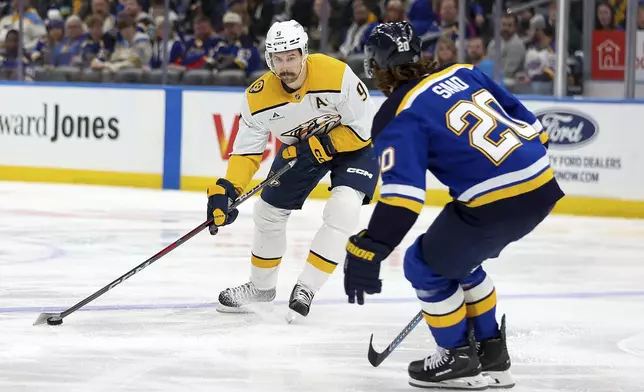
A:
x: 271, y: 94
x: 256, y: 87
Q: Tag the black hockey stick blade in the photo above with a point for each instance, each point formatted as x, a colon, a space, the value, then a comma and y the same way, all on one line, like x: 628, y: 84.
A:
x: 376, y: 358
x: 57, y: 318
x: 42, y: 319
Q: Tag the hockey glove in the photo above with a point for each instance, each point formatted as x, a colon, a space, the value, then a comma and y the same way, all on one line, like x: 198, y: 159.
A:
x: 220, y: 197
x: 362, y: 266
x: 318, y: 149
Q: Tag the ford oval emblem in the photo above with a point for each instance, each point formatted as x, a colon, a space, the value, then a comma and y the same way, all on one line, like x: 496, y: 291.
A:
x: 567, y: 128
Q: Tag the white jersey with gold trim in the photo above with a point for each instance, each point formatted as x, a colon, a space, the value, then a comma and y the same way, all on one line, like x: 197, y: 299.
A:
x: 332, y: 100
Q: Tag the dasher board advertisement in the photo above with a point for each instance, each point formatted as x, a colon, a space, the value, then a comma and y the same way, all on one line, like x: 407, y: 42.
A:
x: 102, y: 129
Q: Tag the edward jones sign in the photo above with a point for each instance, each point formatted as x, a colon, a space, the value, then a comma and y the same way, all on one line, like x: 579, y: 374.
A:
x: 114, y: 130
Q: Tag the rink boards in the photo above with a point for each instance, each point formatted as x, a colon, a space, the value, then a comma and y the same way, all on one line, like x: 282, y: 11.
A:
x: 180, y: 138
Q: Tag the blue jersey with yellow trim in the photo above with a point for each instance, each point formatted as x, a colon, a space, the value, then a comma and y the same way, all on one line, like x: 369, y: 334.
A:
x: 472, y: 135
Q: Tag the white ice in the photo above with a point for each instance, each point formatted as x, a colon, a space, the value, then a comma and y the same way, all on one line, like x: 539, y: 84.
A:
x: 573, y: 293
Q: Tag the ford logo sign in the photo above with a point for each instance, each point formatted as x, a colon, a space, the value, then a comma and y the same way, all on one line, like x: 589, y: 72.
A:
x: 567, y: 128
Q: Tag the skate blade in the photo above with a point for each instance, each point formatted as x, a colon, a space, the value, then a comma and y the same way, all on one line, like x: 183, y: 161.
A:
x: 291, y: 316
x: 245, y: 309
x: 499, y: 380
x: 475, y: 383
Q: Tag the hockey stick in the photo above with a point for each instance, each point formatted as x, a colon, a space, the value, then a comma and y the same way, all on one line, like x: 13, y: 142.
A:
x: 376, y: 358
x: 57, y: 318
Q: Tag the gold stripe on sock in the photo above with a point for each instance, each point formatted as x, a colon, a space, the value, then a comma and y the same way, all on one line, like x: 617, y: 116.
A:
x: 446, y: 320
x: 482, y: 306
x: 321, y: 263
x: 261, y: 262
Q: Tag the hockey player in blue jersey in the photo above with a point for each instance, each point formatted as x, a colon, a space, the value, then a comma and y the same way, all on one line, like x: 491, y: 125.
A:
x: 491, y: 152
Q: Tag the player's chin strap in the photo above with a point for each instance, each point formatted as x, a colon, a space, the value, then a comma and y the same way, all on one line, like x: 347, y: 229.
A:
x: 57, y: 318
x: 303, y: 64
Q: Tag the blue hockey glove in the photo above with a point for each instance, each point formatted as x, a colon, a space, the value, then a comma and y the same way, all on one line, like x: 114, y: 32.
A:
x: 317, y: 149
x: 362, y: 266
x: 220, y: 197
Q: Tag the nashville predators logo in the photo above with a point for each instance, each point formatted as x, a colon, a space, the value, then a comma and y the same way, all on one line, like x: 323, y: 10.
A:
x: 317, y: 126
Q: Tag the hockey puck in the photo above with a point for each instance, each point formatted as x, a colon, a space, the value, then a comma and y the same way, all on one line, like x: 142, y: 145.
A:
x: 54, y: 321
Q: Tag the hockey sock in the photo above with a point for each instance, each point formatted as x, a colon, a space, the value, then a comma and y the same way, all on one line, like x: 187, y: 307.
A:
x: 264, y: 271
x: 480, y: 298
x: 316, y: 271
x: 444, y: 312
x: 269, y: 244
x: 341, y: 215
x: 441, y: 299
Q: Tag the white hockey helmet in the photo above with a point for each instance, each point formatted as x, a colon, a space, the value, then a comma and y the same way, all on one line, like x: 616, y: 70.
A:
x: 285, y: 36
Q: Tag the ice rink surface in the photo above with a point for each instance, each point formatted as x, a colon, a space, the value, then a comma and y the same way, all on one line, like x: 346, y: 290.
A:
x: 573, y: 292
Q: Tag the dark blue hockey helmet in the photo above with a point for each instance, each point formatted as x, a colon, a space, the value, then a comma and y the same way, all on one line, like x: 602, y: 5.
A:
x: 391, y: 44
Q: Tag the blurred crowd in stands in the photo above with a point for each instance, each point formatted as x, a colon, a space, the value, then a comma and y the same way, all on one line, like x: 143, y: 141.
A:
x: 220, y: 42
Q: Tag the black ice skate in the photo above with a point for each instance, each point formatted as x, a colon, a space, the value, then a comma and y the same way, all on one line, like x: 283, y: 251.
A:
x: 300, y: 301
x: 238, y: 299
x: 457, y: 368
x: 495, y: 360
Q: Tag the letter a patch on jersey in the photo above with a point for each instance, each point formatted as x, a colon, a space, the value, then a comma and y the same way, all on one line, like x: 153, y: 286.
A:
x: 319, y: 102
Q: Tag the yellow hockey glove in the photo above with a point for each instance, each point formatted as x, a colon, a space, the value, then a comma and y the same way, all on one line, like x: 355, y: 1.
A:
x: 220, y: 197
x: 318, y: 149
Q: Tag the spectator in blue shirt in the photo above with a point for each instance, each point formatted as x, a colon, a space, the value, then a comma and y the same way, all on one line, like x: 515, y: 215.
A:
x: 174, y: 48
x: 43, y: 52
x: 476, y: 55
x: 70, y: 50
x: 234, y: 51
x: 97, y: 45
x: 198, y: 48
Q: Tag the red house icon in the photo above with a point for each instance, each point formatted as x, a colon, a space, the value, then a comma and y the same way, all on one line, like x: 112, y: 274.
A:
x: 608, y: 57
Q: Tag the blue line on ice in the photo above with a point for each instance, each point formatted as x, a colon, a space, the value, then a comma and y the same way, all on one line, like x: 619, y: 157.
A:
x: 162, y: 306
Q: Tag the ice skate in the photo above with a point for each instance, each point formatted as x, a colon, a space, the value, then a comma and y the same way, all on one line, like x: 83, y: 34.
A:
x: 241, y: 299
x: 457, y: 368
x: 300, y: 302
x: 495, y: 360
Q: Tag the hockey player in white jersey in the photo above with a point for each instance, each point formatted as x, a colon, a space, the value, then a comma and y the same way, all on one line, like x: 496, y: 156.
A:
x: 322, y: 112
